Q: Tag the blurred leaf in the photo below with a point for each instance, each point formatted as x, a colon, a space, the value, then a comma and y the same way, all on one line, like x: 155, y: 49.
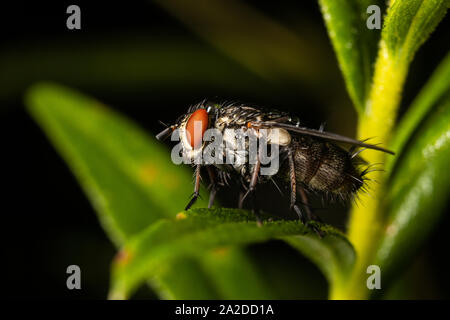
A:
x: 184, y: 278
x: 355, y: 45
x: 239, y: 277
x: 333, y: 255
x: 203, y: 230
x: 417, y: 192
x: 124, y: 64
x: 130, y: 182
x: 415, y: 283
x: 434, y: 90
x: 233, y: 27
x: 127, y: 175
x: 409, y: 23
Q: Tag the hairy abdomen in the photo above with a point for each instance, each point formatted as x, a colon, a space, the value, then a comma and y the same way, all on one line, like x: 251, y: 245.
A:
x: 325, y: 167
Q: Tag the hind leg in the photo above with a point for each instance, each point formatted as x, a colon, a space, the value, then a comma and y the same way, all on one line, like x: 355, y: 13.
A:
x: 293, y: 181
x: 309, y: 215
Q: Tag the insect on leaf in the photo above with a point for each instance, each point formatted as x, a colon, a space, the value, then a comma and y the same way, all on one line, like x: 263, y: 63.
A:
x: 129, y: 179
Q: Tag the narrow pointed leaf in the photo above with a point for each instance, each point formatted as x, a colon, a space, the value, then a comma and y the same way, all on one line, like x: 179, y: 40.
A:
x: 354, y: 43
x: 417, y: 192
x: 437, y: 87
x: 409, y: 23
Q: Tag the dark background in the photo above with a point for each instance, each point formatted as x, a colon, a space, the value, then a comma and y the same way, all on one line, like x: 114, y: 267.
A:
x: 49, y: 224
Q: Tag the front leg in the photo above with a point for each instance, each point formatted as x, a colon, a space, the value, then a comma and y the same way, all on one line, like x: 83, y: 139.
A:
x: 196, y: 187
x: 253, y: 182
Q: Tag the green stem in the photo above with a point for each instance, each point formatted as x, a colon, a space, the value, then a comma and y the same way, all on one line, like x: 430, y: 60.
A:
x: 378, y: 121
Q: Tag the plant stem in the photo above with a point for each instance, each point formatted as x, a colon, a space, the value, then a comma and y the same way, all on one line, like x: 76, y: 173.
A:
x: 377, y: 122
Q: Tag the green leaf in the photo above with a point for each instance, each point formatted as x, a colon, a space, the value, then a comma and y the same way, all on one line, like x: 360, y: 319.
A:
x: 417, y: 192
x: 242, y: 280
x: 409, y: 23
x: 216, y: 232
x: 130, y: 181
x: 184, y: 278
x: 127, y: 175
x: 355, y: 45
x: 333, y: 255
x: 433, y: 92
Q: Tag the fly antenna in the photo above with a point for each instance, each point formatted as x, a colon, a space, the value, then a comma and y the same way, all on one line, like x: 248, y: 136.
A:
x: 163, y: 135
x: 164, y: 124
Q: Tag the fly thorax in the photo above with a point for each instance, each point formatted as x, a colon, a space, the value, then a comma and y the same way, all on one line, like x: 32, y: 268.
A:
x: 235, y: 144
x: 222, y: 122
x: 275, y: 136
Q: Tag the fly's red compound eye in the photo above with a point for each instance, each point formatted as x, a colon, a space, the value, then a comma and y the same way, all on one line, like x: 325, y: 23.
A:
x: 195, y: 136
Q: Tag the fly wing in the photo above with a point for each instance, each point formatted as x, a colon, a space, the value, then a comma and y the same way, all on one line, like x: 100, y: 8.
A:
x: 318, y: 133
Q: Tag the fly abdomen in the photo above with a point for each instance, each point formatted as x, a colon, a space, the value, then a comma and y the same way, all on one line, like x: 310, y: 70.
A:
x: 325, y: 167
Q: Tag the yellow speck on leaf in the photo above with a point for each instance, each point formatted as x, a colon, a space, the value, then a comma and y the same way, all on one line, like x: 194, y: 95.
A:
x: 181, y: 216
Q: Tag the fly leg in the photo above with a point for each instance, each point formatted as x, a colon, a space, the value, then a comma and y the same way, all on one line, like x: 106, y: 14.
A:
x: 242, y: 192
x: 251, y: 191
x: 196, y: 187
x: 294, y: 206
x: 309, y: 212
x: 293, y: 180
x: 241, y: 197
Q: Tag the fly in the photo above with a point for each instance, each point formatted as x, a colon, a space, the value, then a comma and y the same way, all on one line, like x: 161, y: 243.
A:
x: 309, y: 160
